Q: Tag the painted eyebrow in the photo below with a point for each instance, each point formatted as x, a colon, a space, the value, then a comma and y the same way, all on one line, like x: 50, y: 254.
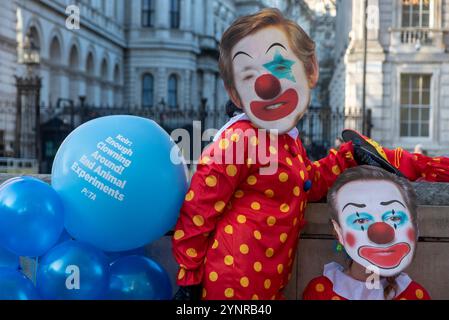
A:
x: 358, y: 205
x: 276, y: 44
x: 241, y: 52
x: 386, y: 203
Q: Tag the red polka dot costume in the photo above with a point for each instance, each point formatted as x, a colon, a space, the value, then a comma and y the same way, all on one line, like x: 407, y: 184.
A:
x: 238, y: 229
x: 336, y: 285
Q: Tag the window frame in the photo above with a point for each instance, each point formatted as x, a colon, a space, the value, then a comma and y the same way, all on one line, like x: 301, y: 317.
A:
x: 146, y: 91
x: 174, y: 92
x: 147, y: 14
x: 175, y: 14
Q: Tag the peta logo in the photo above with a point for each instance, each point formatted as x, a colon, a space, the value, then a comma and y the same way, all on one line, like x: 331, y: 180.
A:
x: 73, y: 19
x: 73, y: 280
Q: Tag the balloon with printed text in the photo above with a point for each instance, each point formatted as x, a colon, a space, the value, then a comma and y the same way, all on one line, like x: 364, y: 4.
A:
x: 73, y: 271
x: 122, y: 181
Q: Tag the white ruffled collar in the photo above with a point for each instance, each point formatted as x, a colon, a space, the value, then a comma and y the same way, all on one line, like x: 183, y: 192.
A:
x: 294, y: 133
x: 352, y: 289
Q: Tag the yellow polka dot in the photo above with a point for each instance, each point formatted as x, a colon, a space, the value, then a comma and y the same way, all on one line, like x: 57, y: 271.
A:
x: 280, y: 268
x: 319, y: 287
x: 252, y: 180
x: 333, y: 151
x: 213, y: 276
x: 283, y: 237
x: 301, y: 159
x: 419, y: 293
x: 215, y: 244
x: 317, y: 164
x: 336, y: 170
x: 211, y: 181
x: 255, y: 205
x: 267, y: 284
x: 198, y: 220
x: 257, y: 234
x: 191, y: 252
x: 219, y: 206
x: 269, y: 193
x: 295, y: 221
x: 182, y: 273
x: 403, y: 299
x: 257, y: 266
x: 229, y: 293
x: 231, y: 170
x: 244, y: 282
x: 204, y: 160
x: 290, y: 251
x: 286, y: 147
x: 228, y: 229
x: 284, y: 208
x: 228, y: 260
x: 269, y: 252
x: 336, y: 298
x: 178, y: 234
x: 301, y: 206
x: 190, y: 195
x: 296, y: 191
x: 235, y: 137
x: 309, y: 167
x: 254, y: 297
x: 239, y: 194
x: 244, y: 249
x: 249, y: 162
x: 283, y: 177
x: 302, y: 174
x: 254, y: 141
x: 289, y: 161
x: 273, y: 150
x: 223, y: 144
x: 241, y: 218
x: 271, y: 221
x: 204, y: 293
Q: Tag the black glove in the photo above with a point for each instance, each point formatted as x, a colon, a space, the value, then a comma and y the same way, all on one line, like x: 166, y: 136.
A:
x: 189, y: 293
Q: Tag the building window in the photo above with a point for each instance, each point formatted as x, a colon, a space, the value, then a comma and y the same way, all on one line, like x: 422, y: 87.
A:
x: 147, y: 91
x: 173, y: 91
x: 147, y: 13
x: 416, y: 13
x: 415, y: 105
x: 174, y: 14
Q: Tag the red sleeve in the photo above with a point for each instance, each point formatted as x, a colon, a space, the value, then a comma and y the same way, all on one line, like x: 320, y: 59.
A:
x: 210, y: 190
x: 325, y: 171
x: 414, y: 292
x: 320, y: 288
x: 417, y: 166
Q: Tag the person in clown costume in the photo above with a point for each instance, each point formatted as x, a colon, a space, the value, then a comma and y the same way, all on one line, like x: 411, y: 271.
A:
x: 237, y: 233
x: 379, y: 232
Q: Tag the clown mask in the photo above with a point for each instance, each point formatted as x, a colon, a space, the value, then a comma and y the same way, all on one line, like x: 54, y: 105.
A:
x: 375, y: 226
x: 271, y: 82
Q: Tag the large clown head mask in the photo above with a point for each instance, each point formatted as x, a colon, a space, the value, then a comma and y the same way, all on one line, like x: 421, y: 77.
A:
x: 269, y: 68
x: 374, y: 216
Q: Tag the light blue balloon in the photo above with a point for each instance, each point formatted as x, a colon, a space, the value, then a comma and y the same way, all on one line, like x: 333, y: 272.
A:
x: 119, y: 185
x: 31, y: 216
x: 138, y: 278
x: 15, y: 286
x: 73, y: 271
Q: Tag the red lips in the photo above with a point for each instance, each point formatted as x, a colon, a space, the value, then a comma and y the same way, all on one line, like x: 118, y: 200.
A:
x: 288, y: 100
x: 385, y: 258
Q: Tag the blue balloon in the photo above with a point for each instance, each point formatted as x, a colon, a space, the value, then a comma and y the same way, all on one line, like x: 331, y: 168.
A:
x: 138, y: 278
x: 122, y: 182
x: 15, y: 286
x: 73, y: 271
x: 116, y: 255
x: 8, y: 259
x: 31, y: 216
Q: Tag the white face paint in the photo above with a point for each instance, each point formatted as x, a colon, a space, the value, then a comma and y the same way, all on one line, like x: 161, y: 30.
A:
x: 270, y: 79
x: 375, y: 225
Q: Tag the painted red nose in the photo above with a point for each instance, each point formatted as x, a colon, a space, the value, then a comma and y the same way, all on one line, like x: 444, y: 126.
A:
x: 381, y: 233
x: 267, y: 87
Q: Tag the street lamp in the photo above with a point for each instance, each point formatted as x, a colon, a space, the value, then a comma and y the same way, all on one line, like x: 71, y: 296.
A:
x: 28, y: 89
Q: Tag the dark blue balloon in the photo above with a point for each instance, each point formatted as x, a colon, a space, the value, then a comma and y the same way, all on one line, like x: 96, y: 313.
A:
x: 138, y: 278
x: 73, y: 271
x: 15, y: 286
x: 117, y: 255
x: 8, y: 259
x: 31, y: 216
